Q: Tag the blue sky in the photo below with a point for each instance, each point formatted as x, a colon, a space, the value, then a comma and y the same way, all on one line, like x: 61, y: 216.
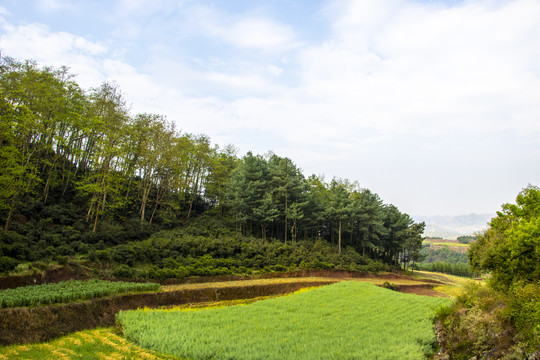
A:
x: 434, y: 105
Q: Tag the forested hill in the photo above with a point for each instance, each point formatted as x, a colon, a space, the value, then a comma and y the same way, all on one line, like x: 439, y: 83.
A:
x: 80, y: 174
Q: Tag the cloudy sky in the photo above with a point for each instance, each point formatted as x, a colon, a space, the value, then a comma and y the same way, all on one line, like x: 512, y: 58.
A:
x: 434, y: 105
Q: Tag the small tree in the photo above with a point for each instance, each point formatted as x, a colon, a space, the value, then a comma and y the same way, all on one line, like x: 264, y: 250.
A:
x: 413, y: 243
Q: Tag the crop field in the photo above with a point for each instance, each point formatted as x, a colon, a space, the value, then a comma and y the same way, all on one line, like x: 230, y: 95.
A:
x: 68, y: 291
x: 103, y: 344
x: 346, y: 320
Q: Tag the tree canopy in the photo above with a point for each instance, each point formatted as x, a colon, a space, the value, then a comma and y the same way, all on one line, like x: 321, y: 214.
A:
x: 510, y: 248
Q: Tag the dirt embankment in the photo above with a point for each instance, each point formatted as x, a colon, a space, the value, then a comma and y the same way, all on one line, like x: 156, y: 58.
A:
x: 44, y: 277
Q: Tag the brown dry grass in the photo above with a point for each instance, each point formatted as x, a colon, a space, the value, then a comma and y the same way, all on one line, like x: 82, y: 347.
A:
x: 255, y: 282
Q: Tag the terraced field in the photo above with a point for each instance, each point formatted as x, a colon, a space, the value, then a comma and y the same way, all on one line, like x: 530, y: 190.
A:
x: 346, y: 320
x: 108, y: 343
x: 103, y: 343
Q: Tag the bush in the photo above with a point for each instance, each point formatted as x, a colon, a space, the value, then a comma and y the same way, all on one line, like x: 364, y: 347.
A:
x: 390, y: 286
x: 7, y: 264
x: 484, y: 322
x: 123, y: 272
x: 524, y: 312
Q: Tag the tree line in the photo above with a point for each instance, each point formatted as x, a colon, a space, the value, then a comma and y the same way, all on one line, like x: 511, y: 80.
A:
x: 78, y: 169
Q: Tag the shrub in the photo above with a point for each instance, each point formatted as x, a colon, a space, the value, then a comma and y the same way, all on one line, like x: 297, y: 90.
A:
x: 123, y: 272
x: 7, y: 264
x: 390, y: 286
x: 486, y: 322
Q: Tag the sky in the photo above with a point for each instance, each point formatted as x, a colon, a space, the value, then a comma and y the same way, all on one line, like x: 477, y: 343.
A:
x: 433, y: 105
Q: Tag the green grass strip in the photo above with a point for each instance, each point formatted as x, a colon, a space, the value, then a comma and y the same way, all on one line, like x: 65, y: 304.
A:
x: 68, y: 291
x: 347, y: 320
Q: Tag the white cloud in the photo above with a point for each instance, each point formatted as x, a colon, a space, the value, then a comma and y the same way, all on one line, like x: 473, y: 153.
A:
x: 403, y: 66
x: 259, y: 33
x: 36, y: 42
x: 245, y: 31
x: 54, y: 5
x: 396, y: 88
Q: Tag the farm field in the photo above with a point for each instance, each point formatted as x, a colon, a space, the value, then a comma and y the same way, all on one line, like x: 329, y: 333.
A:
x: 451, y: 285
x: 344, y: 320
x: 103, y: 343
x: 442, y: 243
x: 68, y: 291
x: 108, y: 343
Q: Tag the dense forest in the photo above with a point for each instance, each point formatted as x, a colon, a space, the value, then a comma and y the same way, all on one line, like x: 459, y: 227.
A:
x: 82, y: 176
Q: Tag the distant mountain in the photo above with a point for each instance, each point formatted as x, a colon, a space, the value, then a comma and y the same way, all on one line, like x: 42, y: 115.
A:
x: 450, y: 227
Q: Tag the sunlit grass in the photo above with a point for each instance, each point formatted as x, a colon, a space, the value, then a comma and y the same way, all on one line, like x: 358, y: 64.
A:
x: 452, y: 285
x: 103, y: 343
x: 345, y: 320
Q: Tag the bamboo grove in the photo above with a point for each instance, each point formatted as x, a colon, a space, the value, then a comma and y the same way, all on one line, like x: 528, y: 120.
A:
x: 79, y: 169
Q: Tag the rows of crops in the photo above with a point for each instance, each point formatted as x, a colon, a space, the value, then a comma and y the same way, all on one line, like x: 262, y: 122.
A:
x: 68, y: 291
x: 347, y: 320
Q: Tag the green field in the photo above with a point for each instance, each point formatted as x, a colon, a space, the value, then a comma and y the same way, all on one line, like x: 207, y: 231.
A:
x: 347, y: 320
x: 68, y: 291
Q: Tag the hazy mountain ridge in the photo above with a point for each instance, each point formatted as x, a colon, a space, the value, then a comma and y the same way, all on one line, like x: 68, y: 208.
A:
x: 450, y: 227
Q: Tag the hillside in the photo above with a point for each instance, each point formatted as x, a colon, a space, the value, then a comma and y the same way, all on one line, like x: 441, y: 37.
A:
x: 83, y: 179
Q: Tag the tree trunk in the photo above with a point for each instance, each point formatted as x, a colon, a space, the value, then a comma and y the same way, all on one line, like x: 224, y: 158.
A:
x: 263, y: 233
x: 153, y: 212
x: 10, y: 215
x: 339, y: 238
x: 286, y: 230
x: 144, y: 200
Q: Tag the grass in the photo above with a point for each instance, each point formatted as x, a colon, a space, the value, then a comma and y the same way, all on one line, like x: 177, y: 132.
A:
x: 103, y: 343
x: 452, y: 285
x: 341, y: 321
x: 68, y: 291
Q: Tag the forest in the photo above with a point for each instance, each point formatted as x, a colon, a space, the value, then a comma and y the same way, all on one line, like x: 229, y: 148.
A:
x: 83, y: 177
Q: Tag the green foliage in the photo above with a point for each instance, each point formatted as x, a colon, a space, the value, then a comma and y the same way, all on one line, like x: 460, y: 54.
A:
x: 67, y: 291
x: 175, y: 254
x: 501, y: 320
x: 510, y: 248
x: 7, y: 264
x: 485, y: 321
x: 466, y: 239
x: 458, y: 269
x: 390, y: 286
x: 444, y: 255
x: 345, y: 320
x: 524, y: 313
